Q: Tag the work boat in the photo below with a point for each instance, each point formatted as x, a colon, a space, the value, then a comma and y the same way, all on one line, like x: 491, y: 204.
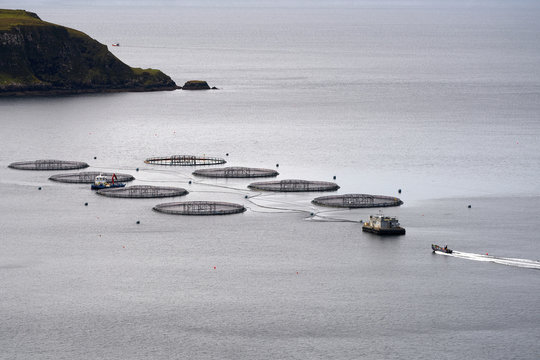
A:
x: 102, y: 182
x: 438, y: 248
x: 383, y: 225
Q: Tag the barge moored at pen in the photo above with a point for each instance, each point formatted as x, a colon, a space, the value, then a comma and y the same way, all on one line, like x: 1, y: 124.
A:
x: 383, y: 225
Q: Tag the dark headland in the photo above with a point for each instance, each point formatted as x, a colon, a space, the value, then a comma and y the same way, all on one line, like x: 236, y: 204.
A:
x: 41, y: 58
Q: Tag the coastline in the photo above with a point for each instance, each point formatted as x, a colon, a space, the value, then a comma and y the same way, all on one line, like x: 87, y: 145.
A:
x: 61, y: 92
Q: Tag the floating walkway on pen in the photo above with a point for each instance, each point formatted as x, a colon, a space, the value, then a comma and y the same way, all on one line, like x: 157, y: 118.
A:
x: 236, y: 172
x: 143, y: 191
x: 184, y: 160
x: 357, y: 201
x: 200, y: 208
x: 88, y: 177
x: 48, y: 165
x: 294, y: 186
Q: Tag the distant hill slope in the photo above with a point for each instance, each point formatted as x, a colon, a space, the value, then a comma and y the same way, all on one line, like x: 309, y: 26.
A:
x: 37, y: 57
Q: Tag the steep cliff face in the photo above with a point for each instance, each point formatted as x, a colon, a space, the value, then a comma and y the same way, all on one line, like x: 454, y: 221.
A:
x: 36, y: 56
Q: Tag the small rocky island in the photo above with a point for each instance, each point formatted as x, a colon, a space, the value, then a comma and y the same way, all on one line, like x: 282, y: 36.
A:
x: 197, y: 85
x: 41, y: 58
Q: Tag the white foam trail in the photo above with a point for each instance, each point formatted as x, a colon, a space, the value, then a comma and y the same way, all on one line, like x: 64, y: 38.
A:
x: 523, y: 263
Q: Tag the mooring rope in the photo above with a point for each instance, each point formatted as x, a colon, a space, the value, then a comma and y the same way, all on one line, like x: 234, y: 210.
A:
x: 268, y: 197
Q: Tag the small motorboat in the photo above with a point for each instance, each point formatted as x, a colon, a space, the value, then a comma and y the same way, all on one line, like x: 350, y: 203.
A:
x: 116, y: 44
x: 102, y: 182
x: 444, y: 249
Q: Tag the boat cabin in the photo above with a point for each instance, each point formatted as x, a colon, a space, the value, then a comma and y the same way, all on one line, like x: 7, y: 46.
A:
x: 383, y: 222
x: 101, y: 180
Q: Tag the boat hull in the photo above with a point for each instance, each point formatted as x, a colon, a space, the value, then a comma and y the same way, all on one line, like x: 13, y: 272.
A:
x: 378, y: 231
x: 97, y: 187
x: 440, y: 249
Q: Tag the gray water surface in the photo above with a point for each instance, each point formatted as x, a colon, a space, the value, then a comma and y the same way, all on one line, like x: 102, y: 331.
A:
x: 439, y: 100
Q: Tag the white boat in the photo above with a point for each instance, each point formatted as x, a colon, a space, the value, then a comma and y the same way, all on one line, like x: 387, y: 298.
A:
x: 383, y: 225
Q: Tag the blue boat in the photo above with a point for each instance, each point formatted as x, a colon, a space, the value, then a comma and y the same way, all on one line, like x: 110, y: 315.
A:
x: 103, y: 182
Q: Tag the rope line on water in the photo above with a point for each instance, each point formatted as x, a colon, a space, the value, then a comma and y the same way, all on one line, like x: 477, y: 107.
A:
x: 268, y: 197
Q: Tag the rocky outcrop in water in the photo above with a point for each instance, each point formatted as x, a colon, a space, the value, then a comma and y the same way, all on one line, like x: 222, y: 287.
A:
x: 196, y: 85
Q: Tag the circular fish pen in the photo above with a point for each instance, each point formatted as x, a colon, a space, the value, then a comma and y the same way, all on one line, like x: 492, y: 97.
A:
x: 200, y: 208
x: 143, y: 192
x: 48, y: 165
x: 236, y: 172
x: 88, y: 177
x: 357, y: 201
x: 184, y: 160
x: 294, y: 186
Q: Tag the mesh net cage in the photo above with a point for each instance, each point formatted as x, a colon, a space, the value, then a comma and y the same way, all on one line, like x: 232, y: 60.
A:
x: 200, y: 208
x: 48, y: 165
x: 357, y: 201
x: 236, y: 172
x: 294, y: 186
x: 143, y: 192
x: 88, y: 177
x: 185, y: 160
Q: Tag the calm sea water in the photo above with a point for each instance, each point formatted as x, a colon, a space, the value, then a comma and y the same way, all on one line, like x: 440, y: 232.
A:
x: 439, y: 100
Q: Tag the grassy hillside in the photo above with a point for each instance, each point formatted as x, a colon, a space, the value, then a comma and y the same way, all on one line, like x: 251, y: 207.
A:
x: 11, y: 18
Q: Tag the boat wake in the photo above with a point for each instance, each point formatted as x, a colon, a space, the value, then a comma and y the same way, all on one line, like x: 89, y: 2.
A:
x: 522, y: 263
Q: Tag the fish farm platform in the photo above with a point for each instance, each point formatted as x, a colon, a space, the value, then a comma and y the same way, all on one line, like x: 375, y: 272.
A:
x: 236, y: 172
x: 357, y: 201
x: 48, y: 165
x: 88, y: 177
x: 184, y: 160
x: 200, y: 208
x: 294, y: 186
x: 143, y: 192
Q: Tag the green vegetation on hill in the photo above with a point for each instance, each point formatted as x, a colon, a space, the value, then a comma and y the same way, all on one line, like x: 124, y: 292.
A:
x: 37, y: 56
x: 11, y: 18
